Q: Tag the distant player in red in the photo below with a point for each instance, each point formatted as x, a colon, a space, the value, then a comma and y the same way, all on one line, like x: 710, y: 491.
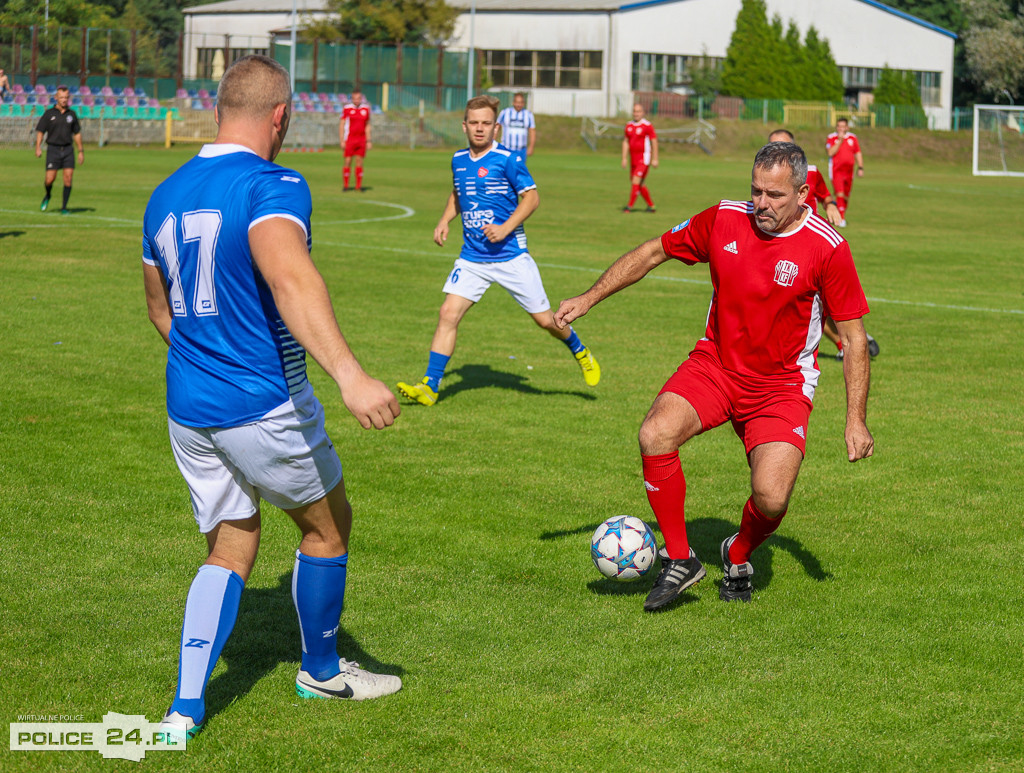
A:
x: 843, y: 152
x: 776, y: 270
x: 639, y: 154
x: 354, y: 135
x: 820, y: 192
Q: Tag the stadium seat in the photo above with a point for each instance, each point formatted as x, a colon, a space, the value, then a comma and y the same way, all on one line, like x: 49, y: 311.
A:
x: 49, y: 89
x: 85, y: 91
x: 121, y: 112
x: 39, y: 89
x: 106, y: 91
x: 110, y: 101
x: 181, y: 94
x: 207, y: 104
x: 128, y: 92
x: 17, y: 88
x: 203, y: 94
x: 76, y: 100
x: 20, y: 99
x: 118, y: 91
x: 131, y: 101
x: 193, y: 93
x: 140, y: 92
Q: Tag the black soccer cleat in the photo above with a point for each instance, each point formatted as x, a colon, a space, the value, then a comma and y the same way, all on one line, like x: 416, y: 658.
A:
x: 873, y: 347
x: 677, y: 574
x: 627, y: 208
x: 651, y: 209
x: 736, y: 584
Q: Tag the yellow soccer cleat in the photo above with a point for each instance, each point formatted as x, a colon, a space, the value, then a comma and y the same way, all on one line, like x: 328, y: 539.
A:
x: 422, y: 392
x: 588, y: 364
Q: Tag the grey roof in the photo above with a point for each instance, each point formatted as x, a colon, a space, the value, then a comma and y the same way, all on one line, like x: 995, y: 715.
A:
x: 257, y: 6
x: 604, y: 6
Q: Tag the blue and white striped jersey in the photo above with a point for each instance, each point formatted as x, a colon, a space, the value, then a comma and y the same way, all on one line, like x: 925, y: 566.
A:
x: 231, y: 358
x: 515, y: 127
x: 488, y: 190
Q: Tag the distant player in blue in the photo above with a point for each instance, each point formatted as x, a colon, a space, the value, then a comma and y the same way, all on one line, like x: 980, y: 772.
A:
x: 232, y: 290
x: 517, y: 127
x: 495, y: 193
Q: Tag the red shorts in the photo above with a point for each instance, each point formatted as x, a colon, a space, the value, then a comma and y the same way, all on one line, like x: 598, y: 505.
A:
x: 355, y: 146
x: 758, y: 415
x: 637, y: 167
x: 842, y: 182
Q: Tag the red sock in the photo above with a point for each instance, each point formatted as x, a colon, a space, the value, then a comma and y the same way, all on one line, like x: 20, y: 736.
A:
x: 647, y: 196
x: 345, y: 175
x: 666, y: 491
x: 359, y: 178
x: 633, y: 191
x: 841, y: 203
x: 755, y: 528
x: 839, y: 345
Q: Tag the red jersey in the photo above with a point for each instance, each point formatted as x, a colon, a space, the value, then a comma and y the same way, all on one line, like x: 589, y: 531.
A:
x: 639, y: 135
x: 845, y: 157
x: 771, y: 291
x: 819, y: 188
x: 355, y: 119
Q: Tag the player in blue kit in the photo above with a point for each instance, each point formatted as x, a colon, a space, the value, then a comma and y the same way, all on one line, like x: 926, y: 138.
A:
x: 495, y: 194
x: 232, y: 290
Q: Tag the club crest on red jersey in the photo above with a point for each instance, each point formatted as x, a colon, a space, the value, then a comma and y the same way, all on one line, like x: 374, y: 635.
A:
x: 785, y: 273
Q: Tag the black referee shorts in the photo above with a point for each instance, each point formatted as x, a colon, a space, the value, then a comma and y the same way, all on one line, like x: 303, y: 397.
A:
x: 60, y: 157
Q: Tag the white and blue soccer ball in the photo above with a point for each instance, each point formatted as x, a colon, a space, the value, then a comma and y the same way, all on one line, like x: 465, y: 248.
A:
x: 623, y: 548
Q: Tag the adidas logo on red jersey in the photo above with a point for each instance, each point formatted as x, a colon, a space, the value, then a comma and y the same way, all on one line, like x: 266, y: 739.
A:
x: 731, y: 247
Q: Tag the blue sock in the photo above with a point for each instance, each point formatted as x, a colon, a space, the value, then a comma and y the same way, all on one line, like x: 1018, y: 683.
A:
x: 435, y: 369
x: 573, y: 342
x: 210, y: 613
x: 318, y: 590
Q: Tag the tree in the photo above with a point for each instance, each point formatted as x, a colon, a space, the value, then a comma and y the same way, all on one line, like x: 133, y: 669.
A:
x: 825, y: 80
x: 994, y: 45
x: 753, y: 43
x: 405, y: 21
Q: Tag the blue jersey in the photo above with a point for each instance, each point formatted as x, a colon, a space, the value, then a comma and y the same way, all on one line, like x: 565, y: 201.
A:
x: 231, y: 358
x: 488, y: 190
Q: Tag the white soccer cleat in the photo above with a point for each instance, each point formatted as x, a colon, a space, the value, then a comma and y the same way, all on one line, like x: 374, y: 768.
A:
x: 178, y: 728
x: 353, y: 683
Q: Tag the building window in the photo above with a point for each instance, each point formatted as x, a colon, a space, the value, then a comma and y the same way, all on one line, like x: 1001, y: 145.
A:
x: 665, y: 72
x: 210, y: 62
x: 544, y: 69
x: 866, y: 78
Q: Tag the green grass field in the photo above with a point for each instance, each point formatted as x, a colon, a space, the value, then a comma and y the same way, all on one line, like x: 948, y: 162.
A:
x: 886, y: 629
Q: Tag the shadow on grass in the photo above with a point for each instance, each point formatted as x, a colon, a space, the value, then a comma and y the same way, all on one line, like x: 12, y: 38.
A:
x: 5, y: 234
x: 79, y: 210
x: 482, y: 376
x: 705, y: 536
x: 266, y: 634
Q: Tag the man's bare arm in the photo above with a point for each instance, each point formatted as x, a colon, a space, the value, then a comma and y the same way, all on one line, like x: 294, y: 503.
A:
x: 627, y: 270
x: 279, y: 249
x: 857, y: 374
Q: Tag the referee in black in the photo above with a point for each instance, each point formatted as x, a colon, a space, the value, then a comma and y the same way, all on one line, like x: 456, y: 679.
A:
x: 61, y: 127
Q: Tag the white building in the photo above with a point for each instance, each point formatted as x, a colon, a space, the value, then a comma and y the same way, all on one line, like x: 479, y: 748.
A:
x: 585, y: 57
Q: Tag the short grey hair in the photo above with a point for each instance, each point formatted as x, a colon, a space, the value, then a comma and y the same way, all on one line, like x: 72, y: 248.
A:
x: 783, y: 154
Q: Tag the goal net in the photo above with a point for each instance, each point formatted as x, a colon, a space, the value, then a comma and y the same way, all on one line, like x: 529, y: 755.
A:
x: 700, y: 133
x: 999, y: 140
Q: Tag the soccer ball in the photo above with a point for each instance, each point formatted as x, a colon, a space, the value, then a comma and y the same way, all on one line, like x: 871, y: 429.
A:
x: 623, y: 548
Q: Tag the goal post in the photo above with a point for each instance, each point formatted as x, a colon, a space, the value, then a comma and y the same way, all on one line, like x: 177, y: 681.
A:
x: 998, y: 140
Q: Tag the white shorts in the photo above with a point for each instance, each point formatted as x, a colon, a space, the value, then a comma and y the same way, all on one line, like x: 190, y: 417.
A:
x: 519, y: 276
x: 286, y: 458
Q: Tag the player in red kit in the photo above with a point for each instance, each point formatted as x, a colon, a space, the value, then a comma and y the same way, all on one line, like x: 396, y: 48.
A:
x: 354, y: 134
x: 640, y: 153
x: 843, y: 152
x: 776, y: 269
x: 819, y: 192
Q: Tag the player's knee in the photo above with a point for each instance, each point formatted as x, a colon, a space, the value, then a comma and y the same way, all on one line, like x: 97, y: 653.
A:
x: 657, y: 436
x: 772, y: 501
